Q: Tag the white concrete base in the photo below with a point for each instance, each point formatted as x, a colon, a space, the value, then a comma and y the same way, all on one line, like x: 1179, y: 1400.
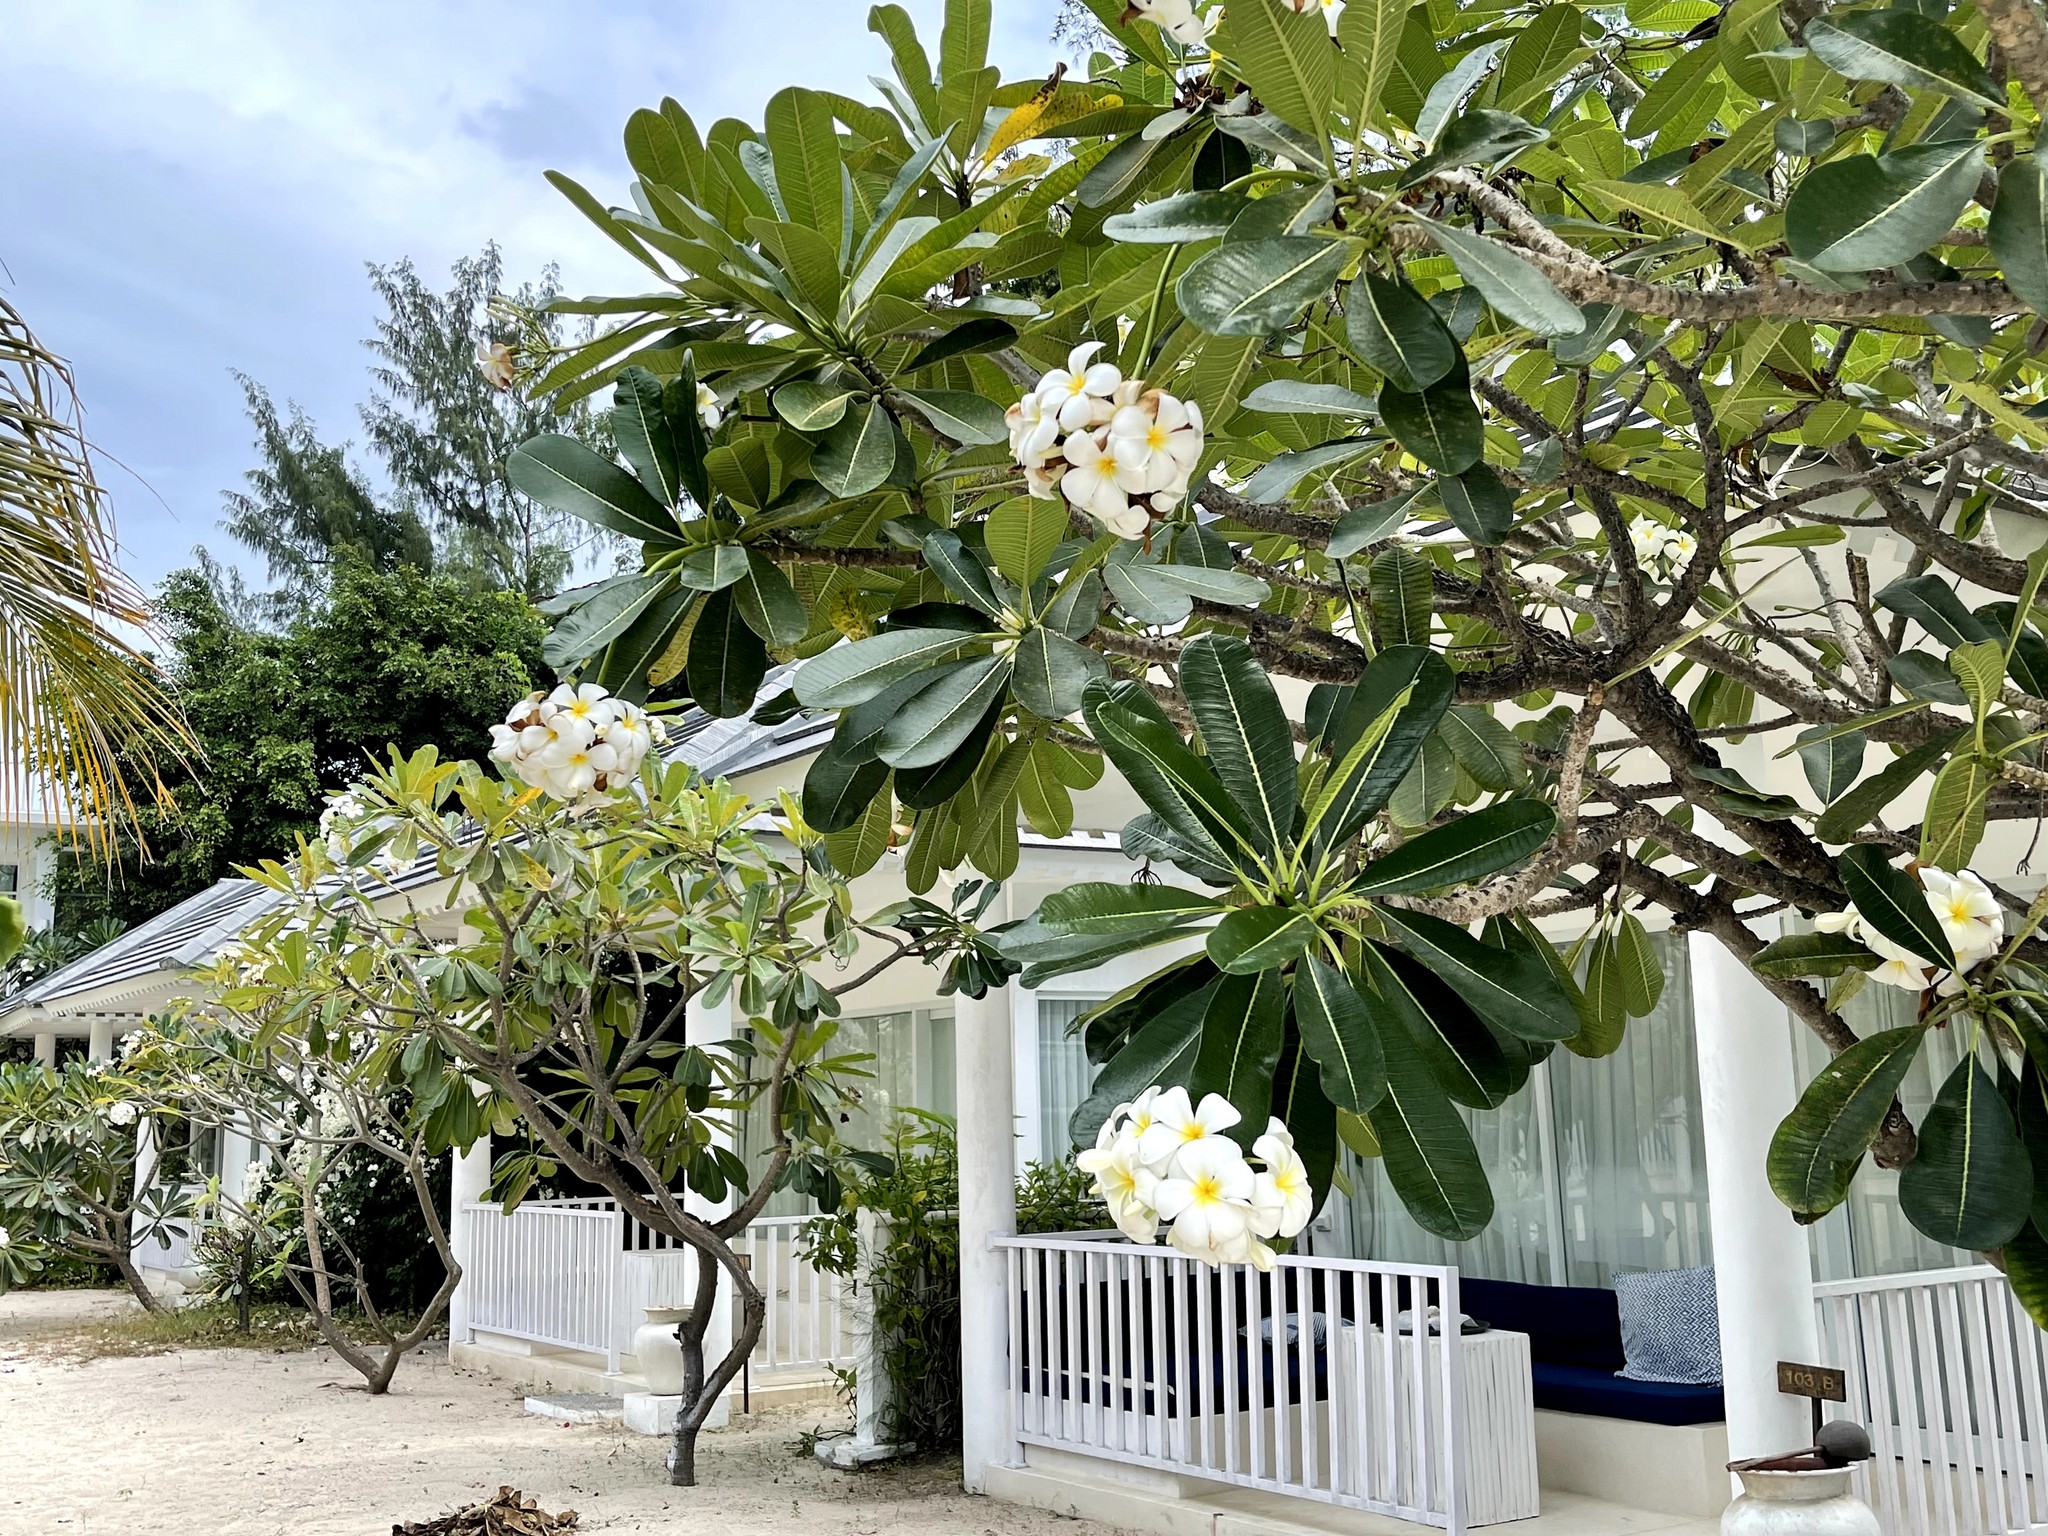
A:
x: 1673, y: 1469
x: 1223, y: 1511
x: 651, y: 1413
x: 553, y: 1370
x: 575, y: 1407
x: 850, y: 1454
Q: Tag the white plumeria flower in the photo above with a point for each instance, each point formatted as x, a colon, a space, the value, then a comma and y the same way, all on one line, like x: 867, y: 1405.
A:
x: 1043, y: 480
x: 1177, y: 1125
x: 1209, y: 1201
x: 122, y: 1114
x: 589, y: 703
x: 1076, y: 392
x: 1034, y: 430
x: 1849, y: 922
x: 1967, y: 911
x: 1127, y: 1187
x: 1646, y: 537
x: 1095, y: 482
x: 1282, y: 1198
x: 1901, y: 973
x: 1679, y: 547
x: 6, y: 1238
x: 498, y: 363
x: 708, y: 410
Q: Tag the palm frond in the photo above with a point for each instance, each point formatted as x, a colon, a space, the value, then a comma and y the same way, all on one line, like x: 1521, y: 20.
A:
x: 86, y: 723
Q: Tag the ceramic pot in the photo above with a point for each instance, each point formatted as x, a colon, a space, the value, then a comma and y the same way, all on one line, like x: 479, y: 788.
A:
x: 658, y: 1352
x: 1816, y: 1503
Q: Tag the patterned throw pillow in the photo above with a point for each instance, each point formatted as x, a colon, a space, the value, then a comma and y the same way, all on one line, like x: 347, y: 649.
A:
x: 1670, y: 1326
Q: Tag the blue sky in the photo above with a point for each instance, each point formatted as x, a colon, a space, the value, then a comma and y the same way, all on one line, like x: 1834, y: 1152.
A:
x: 195, y: 188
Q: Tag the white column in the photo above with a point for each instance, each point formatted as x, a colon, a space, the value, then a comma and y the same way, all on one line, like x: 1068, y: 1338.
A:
x: 46, y: 1049
x: 705, y: 1026
x: 1763, y: 1267
x: 983, y: 1053
x: 100, y: 1038
x: 469, y: 1179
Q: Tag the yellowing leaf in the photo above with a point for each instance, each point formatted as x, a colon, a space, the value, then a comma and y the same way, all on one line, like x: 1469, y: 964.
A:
x: 1667, y: 205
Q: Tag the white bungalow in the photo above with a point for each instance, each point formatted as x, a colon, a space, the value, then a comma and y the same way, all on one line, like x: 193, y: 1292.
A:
x: 1128, y: 1384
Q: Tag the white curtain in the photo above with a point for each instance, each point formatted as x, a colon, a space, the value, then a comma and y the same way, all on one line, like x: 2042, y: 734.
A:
x: 1620, y: 1185
x: 1632, y: 1172
x: 1065, y: 1075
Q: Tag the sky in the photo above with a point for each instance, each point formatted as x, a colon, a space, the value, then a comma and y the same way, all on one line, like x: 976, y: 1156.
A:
x: 195, y: 188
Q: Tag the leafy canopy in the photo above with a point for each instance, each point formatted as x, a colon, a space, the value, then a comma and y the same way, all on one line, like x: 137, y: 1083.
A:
x: 1559, y: 366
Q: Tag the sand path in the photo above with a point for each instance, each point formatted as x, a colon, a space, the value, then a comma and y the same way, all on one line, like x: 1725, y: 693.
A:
x: 248, y: 1443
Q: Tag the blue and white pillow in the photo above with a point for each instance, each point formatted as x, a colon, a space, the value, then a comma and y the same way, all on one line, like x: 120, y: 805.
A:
x: 1670, y: 1326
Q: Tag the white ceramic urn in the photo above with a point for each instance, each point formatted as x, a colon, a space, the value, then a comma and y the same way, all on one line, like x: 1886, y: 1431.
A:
x: 1816, y: 1503
x: 658, y: 1352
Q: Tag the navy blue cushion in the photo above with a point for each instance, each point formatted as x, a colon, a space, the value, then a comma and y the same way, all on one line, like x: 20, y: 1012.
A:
x: 1577, y: 1389
x: 1566, y: 1324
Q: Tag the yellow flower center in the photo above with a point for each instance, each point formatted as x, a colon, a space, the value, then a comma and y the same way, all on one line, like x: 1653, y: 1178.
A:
x: 1192, y: 1131
x: 1106, y: 465
x: 1078, y: 384
x: 1157, y: 437
x: 1207, y: 1190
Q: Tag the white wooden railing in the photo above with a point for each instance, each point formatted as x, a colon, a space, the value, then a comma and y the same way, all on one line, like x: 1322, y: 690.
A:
x: 1948, y: 1372
x: 580, y: 1274
x: 1140, y: 1354
x: 548, y: 1273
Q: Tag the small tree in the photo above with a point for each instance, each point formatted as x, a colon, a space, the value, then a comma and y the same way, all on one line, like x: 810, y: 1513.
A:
x: 310, y: 1105
x: 590, y: 927
x: 69, y: 1159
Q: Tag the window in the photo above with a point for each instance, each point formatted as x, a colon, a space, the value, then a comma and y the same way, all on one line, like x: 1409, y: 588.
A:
x: 912, y: 1068
x: 1065, y: 1075
x: 10, y: 879
x: 1597, y: 1167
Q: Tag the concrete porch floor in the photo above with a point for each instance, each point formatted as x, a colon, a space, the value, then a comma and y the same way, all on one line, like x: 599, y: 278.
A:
x: 1249, y: 1512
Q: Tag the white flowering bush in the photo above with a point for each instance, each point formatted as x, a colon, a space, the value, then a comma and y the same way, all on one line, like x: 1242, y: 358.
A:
x: 1113, y: 447
x: 575, y: 742
x: 1163, y: 1160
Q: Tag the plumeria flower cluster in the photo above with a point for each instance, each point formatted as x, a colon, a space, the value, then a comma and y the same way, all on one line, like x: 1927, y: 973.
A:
x: 1657, y: 546
x: 576, y: 741
x: 1113, y: 447
x: 1161, y: 1159
x: 1969, y: 915
x: 1180, y: 19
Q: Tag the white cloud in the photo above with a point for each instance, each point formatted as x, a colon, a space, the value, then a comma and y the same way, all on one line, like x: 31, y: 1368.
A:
x: 195, y: 188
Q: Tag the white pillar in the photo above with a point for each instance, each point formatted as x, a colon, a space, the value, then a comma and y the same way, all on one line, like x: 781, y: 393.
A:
x: 46, y: 1049
x: 469, y: 1179
x: 100, y: 1038
x: 707, y: 1027
x: 984, y: 1061
x: 1763, y: 1266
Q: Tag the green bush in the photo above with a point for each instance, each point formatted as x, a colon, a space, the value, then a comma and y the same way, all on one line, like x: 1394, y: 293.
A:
x: 914, y: 1278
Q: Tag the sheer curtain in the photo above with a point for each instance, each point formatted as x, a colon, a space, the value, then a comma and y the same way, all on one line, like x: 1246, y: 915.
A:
x: 1632, y: 1171
x: 1065, y: 1075
x: 1597, y: 1167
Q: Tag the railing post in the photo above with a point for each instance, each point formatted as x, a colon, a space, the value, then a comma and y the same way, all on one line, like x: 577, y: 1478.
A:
x: 1454, y: 1403
x: 873, y: 1391
x: 615, y: 1279
x: 469, y: 1179
x: 988, y: 1209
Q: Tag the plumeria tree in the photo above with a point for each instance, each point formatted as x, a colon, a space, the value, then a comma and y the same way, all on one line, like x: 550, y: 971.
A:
x: 77, y: 1175
x: 604, y: 893
x: 308, y: 1105
x: 1442, y: 456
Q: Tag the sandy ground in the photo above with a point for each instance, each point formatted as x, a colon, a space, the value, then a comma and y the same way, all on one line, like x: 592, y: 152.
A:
x: 246, y: 1443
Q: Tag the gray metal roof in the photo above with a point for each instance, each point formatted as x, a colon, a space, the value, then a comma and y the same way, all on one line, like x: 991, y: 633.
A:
x: 191, y: 932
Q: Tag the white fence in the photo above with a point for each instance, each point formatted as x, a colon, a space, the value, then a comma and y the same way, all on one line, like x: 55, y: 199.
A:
x: 1947, y: 1371
x: 580, y: 1274
x: 1140, y: 1354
